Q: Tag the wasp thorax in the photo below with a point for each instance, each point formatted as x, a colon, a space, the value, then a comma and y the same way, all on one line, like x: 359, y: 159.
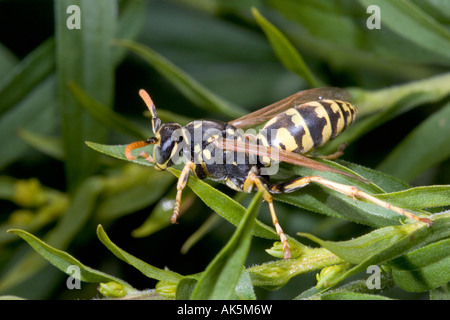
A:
x: 169, y: 136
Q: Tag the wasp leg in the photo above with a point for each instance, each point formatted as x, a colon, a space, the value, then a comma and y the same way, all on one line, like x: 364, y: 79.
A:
x: 339, y: 152
x: 351, y: 191
x: 146, y: 156
x: 251, y: 180
x: 180, y: 186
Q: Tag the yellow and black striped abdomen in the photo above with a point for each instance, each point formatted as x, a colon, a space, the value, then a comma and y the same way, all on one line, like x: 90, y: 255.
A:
x: 302, y: 128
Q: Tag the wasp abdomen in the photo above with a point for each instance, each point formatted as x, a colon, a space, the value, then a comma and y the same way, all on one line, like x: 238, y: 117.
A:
x: 307, y: 126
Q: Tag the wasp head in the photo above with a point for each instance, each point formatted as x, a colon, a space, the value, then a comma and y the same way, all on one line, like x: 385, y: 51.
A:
x: 166, y: 140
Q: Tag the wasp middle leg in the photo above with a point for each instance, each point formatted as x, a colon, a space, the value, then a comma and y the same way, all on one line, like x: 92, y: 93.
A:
x: 253, y: 179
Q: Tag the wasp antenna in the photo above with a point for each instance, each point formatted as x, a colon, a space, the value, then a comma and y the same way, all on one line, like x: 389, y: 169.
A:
x: 132, y: 146
x: 146, y: 97
x: 156, y: 123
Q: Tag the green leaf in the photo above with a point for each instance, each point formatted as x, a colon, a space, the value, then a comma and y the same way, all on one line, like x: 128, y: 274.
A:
x: 82, y: 205
x: 222, y: 274
x: 63, y: 261
x: 244, y: 288
x: 44, y: 206
x: 106, y: 116
x: 402, y: 97
x: 285, y: 51
x: 117, y: 151
x: 36, y: 112
x: 134, y: 192
x: 85, y: 58
x: 412, y: 23
x: 185, y: 287
x: 189, y: 87
x: 419, y: 197
x: 352, y: 296
x: 385, y: 244
x: 275, y: 274
x: 7, y: 62
x: 133, y: 15
x: 346, y: 46
x: 441, y: 293
x: 48, y: 145
x: 146, y: 269
x: 159, y: 218
x: 357, y: 289
x: 423, y: 269
x: 431, y: 137
x: 212, y: 222
x: 26, y: 75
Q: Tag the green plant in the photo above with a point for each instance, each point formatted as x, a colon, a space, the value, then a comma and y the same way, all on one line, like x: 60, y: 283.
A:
x: 52, y: 103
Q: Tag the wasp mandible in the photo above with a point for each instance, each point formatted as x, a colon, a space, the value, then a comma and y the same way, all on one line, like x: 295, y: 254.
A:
x: 223, y: 152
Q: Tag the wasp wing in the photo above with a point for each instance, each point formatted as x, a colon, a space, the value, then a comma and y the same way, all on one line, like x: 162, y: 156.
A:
x: 282, y: 155
x: 267, y: 113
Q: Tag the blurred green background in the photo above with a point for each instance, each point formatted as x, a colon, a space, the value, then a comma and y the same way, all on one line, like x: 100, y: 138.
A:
x: 57, y: 188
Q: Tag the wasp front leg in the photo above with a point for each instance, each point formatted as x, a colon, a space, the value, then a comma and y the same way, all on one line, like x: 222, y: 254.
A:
x: 137, y: 145
x: 252, y: 180
x: 182, y: 181
x: 351, y: 191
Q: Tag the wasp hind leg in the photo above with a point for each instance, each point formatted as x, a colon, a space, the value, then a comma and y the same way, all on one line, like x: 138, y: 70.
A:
x: 339, y: 152
x: 351, y: 191
x: 251, y: 180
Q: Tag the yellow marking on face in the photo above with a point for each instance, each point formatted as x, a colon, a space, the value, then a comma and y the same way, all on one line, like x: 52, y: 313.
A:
x: 197, y: 148
x: 174, y: 151
x: 184, y: 133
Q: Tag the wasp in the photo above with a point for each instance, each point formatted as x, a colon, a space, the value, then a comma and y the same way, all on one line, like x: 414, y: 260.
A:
x: 222, y: 151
